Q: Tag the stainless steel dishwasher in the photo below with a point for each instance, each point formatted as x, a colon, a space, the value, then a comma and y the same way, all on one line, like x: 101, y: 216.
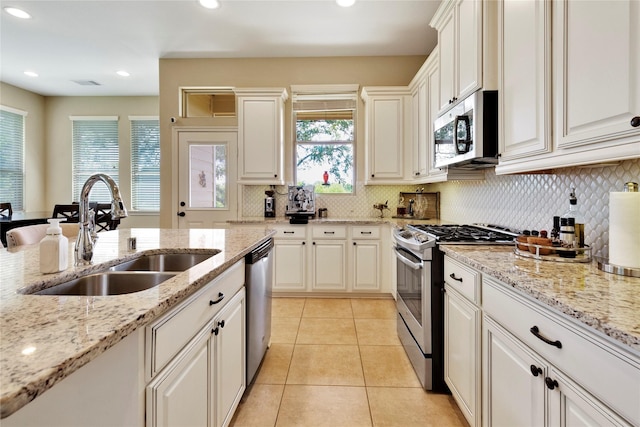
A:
x: 259, y: 285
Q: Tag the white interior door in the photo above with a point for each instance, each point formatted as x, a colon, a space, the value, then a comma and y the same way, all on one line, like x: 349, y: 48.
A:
x: 207, y: 183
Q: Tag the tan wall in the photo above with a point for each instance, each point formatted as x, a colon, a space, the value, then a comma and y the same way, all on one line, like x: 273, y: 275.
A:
x: 266, y: 72
x: 35, y: 147
x: 59, y: 145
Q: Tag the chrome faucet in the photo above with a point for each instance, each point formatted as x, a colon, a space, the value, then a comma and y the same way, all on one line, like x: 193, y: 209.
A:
x: 85, y: 241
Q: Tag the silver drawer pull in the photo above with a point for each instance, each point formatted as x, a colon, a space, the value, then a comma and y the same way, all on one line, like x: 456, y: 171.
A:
x: 457, y: 279
x: 535, y: 331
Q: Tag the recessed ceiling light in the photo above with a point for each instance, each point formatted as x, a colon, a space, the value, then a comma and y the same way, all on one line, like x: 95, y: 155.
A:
x: 18, y: 13
x: 123, y: 73
x: 31, y: 74
x: 346, y: 3
x: 209, y: 4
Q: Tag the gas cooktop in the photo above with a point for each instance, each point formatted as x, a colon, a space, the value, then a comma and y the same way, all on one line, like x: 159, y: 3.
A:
x: 466, y: 234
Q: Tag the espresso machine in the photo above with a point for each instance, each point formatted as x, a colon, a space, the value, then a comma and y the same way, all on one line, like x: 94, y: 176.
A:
x: 269, y: 205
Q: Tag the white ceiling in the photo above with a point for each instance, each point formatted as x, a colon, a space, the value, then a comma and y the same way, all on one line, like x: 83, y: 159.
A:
x: 92, y: 39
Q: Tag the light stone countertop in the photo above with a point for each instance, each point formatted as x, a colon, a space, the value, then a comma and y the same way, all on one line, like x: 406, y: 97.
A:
x: 334, y: 220
x: 604, y: 301
x: 46, y: 338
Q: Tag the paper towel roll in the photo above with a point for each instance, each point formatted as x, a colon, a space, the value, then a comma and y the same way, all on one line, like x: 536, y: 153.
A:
x: 624, y: 229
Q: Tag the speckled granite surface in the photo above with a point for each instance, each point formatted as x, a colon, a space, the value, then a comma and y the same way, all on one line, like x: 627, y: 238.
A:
x: 46, y: 338
x: 606, y: 302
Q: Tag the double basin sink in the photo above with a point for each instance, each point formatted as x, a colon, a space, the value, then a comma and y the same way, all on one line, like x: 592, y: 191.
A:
x: 144, y: 272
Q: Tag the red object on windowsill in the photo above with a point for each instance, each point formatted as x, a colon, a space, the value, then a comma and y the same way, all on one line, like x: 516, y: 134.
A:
x: 325, y: 177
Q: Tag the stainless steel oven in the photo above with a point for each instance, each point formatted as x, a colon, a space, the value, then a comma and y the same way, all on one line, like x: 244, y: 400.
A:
x: 420, y: 290
x: 420, y: 303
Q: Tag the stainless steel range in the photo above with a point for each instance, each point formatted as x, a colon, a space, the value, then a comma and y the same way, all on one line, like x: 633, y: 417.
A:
x: 420, y: 286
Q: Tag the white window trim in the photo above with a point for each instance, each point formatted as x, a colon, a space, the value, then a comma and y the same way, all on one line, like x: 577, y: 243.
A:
x: 14, y: 110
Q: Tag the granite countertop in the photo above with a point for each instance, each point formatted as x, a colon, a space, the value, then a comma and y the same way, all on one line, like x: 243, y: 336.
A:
x: 46, y: 338
x: 334, y: 220
x: 604, y: 301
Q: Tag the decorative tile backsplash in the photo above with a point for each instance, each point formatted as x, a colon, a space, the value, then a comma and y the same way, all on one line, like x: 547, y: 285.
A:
x: 527, y: 201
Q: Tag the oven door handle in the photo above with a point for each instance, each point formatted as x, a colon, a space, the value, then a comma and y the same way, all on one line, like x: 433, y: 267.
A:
x: 407, y: 261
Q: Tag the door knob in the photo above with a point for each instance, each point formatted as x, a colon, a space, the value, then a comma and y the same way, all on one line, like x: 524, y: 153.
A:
x: 182, y: 203
x: 181, y: 214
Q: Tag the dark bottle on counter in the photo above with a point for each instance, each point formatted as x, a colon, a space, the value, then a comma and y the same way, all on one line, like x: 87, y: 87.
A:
x: 555, y: 231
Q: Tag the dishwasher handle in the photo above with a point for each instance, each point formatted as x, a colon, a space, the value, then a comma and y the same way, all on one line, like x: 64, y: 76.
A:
x: 260, y: 252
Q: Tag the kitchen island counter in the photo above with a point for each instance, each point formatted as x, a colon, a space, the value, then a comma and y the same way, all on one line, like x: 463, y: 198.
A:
x: 603, y: 301
x: 46, y: 338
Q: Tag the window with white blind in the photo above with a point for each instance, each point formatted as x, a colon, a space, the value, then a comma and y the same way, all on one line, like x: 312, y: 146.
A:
x: 12, y: 157
x: 324, y: 119
x: 95, y: 150
x: 145, y: 164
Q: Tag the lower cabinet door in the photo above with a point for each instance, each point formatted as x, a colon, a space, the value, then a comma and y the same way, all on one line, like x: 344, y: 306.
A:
x: 289, y: 265
x: 513, y: 380
x: 462, y: 353
x: 366, y: 265
x: 329, y: 265
x: 179, y: 396
x: 229, y: 378
x: 571, y: 405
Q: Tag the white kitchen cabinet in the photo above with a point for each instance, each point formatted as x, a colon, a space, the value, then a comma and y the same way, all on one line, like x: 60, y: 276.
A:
x: 460, y: 49
x: 596, y: 72
x: 462, y: 349
x: 514, y: 389
x: 180, y: 395
x: 261, y: 135
x: 204, y: 383
x: 538, y: 363
x: 595, y: 84
x: 419, y: 125
x: 290, y: 259
x: 387, y: 133
x: 365, y: 258
x: 229, y: 359
x: 195, y: 356
x: 331, y: 259
x: 328, y: 258
x: 524, y: 80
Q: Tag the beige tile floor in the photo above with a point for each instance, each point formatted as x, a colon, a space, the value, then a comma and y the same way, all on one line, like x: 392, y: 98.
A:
x: 339, y: 363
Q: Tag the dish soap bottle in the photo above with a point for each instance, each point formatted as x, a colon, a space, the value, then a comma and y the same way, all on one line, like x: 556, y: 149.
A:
x: 574, y: 212
x: 54, y: 249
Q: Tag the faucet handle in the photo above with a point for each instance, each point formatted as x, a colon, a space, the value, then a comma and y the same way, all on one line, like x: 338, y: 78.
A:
x: 92, y: 224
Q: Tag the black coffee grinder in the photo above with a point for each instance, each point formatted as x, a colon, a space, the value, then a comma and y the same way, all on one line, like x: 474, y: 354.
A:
x: 269, y: 205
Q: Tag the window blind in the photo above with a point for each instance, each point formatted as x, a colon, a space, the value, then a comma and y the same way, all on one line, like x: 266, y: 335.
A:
x: 95, y: 150
x: 145, y: 164
x: 12, y: 157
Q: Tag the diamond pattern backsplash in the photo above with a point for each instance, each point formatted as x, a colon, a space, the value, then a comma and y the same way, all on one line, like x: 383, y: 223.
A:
x: 516, y: 201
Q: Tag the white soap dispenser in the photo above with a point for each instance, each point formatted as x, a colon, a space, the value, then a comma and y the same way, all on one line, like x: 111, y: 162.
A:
x: 54, y: 249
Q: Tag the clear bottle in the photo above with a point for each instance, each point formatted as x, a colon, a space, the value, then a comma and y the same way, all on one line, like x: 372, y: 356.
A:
x: 54, y: 249
x: 575, y: 213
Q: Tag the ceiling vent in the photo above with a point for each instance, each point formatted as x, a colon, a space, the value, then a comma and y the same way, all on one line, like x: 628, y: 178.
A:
x: 87, y: 82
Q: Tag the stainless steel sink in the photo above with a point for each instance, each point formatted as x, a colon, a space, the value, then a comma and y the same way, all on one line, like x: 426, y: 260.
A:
x: 164, y: 262
x: 109, y: 283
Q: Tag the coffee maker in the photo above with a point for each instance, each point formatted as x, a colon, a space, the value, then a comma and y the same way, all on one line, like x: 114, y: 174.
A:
x: 269, y: 205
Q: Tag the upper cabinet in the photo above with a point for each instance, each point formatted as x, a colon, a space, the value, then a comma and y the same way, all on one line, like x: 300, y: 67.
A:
x: 387, y: 133
x: 525, y: 80
x: 462, y: 49
x: 596, y: 71
x: 588, y: 86
x: 261, y: 135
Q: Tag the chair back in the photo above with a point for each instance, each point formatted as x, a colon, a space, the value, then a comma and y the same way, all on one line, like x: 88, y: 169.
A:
x: 71, y: 212
x: 31, y: 234
x: 5, y: 209
x: 104, y: 222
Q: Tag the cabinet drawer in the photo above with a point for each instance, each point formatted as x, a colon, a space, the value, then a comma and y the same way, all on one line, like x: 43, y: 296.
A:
x: 292, y: 232
x: 462, y: 278
x: 168, y: 335
x: 329, y: 232
x: 365, y: 232
x: 610, y: 372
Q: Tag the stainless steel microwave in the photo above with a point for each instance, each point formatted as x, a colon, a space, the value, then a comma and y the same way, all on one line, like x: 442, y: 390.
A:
x: 466, y: 136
